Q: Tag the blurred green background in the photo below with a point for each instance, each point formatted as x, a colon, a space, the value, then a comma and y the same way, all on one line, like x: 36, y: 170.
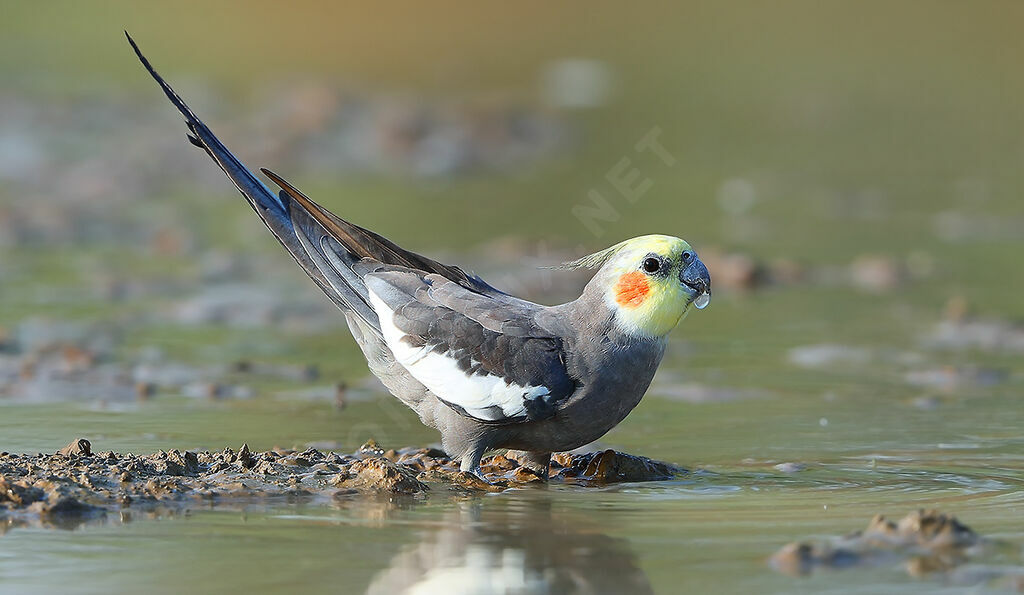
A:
x: 851, y: 173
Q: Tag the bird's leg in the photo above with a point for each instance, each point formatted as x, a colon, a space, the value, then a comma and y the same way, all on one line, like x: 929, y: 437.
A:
x: 538, y: 462
x: 471, y: 460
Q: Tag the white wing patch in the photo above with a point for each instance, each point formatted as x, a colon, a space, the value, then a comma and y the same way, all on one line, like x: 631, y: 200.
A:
x: 478, y: 395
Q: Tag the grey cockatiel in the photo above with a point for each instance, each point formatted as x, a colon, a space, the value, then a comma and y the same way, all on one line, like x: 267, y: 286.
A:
x: 487, y: 369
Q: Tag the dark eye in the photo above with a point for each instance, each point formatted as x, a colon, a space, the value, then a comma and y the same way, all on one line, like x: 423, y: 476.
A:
x: 687, y: 256
x: 651, y: 265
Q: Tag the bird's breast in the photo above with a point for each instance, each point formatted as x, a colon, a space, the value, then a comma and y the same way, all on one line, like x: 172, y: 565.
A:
x: 612, y: 383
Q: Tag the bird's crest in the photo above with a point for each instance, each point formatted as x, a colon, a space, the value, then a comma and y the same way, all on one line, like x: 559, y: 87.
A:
x: 592, y: 261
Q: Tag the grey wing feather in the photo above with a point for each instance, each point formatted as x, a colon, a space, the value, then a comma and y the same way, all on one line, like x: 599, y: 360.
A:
x: 454, y: 342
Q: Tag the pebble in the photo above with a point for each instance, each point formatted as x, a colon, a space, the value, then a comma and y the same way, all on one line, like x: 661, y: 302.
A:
x: 949, y: 378
x: 692, y: 392
x: 876, y: 274
x: 827, y: 354
x: 80, y: 447
x: 961, y: 333
x: 790, y: 467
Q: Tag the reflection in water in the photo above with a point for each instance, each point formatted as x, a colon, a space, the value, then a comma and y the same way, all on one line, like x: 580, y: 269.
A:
x: 90, y: 518
x: 524, y: 549
x: 63, y: 522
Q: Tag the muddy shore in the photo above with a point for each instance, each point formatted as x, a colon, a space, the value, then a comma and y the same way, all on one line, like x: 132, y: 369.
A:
x: 76, y: 481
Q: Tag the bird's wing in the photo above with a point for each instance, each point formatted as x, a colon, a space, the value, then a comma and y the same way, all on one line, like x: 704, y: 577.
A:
x: 482, y: 356
x: 327, y: 247
x: 364, y: 243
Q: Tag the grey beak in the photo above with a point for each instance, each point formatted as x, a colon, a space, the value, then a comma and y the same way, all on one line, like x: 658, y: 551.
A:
x: 695, y: 276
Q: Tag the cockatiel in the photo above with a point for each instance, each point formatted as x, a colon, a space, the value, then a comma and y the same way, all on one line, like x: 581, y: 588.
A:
x: 487, y: 369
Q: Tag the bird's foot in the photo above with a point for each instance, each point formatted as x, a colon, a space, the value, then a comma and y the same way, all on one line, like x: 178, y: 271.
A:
x: 470, y: 469
x: 537, y: 463
x: 475, y: 480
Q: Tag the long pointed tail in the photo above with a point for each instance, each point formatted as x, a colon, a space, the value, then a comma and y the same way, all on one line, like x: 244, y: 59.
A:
x: 254, y: 191
x: 298, y: 230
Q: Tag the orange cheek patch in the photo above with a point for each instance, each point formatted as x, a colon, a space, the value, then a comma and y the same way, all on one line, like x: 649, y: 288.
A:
x: 631, y: 289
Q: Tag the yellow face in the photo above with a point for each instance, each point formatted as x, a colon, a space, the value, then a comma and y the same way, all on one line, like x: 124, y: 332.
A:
x: 645, y: 288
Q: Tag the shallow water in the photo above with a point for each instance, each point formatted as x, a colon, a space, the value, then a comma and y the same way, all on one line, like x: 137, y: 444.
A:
x: 857, y: 436
x: 824, y: 135
x: 711, y: 532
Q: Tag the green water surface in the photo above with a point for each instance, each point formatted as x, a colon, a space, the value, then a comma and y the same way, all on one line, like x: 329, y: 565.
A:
x: 860, y: 126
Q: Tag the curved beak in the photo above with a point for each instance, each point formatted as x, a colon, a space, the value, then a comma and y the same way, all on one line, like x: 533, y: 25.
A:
x: 695, y: 277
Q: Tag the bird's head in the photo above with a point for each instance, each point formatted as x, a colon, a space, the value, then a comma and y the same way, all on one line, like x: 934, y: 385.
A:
x: 648, y: 282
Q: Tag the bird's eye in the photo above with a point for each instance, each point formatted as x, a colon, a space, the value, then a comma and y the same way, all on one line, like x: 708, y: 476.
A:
x: 687, y: 257
x: 651, y: 265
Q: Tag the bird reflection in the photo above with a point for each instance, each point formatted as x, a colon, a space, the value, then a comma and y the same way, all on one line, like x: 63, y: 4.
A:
x: 486, y: 547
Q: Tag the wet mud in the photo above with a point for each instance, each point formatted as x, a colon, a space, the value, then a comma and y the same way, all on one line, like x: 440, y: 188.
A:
x: 76, y: 481
x: 926, y: 543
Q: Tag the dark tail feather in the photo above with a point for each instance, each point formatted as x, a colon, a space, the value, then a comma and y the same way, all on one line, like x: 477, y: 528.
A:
x: 258, y: 195
x: 364, y: 243
x: 274, y: 210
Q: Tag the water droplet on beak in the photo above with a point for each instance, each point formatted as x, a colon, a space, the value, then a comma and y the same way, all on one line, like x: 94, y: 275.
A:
x: 702, y: 301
